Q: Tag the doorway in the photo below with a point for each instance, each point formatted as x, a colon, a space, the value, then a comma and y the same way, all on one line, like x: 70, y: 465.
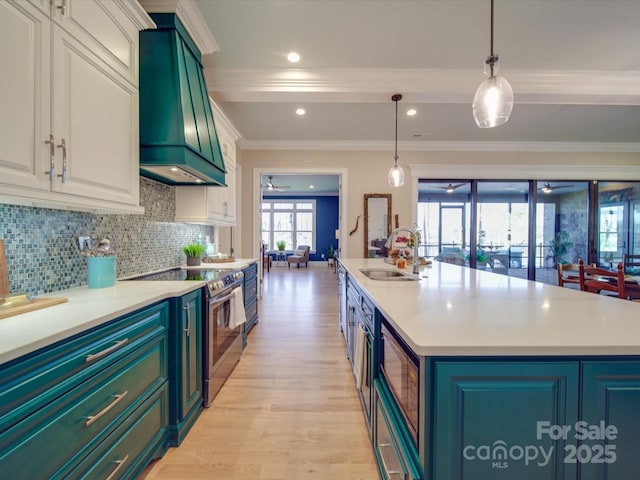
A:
x: 292, y: 186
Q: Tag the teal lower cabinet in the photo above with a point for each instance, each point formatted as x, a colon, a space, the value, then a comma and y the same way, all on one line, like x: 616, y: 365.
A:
x: 82, y: 396
x: 502, y: 420
x: 610, y: 432
x: 395, y: 453
x: 126, y: 452
x: 185, y: 365
x: 250, y: 296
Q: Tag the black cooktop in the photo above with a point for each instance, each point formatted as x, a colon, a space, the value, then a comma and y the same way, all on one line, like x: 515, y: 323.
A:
x: 199, y: 274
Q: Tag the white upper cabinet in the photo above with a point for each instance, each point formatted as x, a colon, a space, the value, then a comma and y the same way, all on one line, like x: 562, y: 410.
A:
x: 213, y: 205
x: 70, y: 135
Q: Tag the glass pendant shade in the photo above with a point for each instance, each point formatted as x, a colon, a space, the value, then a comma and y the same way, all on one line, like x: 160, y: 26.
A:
x: 493, y: 102
x: 396, y: 174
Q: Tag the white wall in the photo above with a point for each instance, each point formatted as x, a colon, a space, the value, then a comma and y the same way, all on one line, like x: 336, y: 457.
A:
x: 367, y: 173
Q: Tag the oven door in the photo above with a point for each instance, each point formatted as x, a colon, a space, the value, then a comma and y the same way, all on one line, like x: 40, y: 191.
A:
x: 222, y: 345
x: 222, y: 334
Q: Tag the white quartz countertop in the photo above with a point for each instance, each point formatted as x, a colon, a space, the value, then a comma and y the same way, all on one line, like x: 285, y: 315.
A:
x: 87, y: 308
x: 460, y: 311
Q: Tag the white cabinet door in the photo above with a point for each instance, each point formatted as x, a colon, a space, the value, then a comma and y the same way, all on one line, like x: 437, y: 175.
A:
x: 221, y: 200
x: 70, y: 72
x: 95, y: 115
x: 24, y: 95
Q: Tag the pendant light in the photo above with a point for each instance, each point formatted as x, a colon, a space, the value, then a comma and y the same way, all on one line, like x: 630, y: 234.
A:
x: 493, y: 101
x: 396, y: 174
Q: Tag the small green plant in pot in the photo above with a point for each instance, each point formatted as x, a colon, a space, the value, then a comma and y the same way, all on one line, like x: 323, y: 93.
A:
x: 194, y: 253
x: 281, y: 245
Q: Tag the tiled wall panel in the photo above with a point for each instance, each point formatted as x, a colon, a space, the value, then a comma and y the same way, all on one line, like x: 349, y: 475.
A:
x: 42, y: 259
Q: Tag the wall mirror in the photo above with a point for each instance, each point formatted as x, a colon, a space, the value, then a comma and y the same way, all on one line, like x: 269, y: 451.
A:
x: 377, y: 223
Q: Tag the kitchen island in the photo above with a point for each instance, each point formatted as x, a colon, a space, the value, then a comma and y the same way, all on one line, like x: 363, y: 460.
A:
x: 517, y: 379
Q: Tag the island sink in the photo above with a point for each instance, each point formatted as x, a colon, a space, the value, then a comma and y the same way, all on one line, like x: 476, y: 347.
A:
x: 387, y: 274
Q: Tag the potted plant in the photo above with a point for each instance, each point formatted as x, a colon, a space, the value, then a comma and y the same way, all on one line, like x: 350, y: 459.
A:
x: 330, y: 254
x: 280, y: 244
x: 330, y: 251
x: 559, y: 246
x: 194, y: 253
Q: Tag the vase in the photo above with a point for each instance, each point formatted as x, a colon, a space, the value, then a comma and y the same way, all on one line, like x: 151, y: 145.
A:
x: 193, y: 261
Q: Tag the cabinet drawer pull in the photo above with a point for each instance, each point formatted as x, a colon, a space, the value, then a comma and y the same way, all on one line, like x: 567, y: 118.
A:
x: 188, y: 327
x: 63, y: 146
x: 94, y: 418
x: 52, y: 158
x: 384, y: 463
x: 62, y: 7
x: 106, y: 351
x: 119, y: 464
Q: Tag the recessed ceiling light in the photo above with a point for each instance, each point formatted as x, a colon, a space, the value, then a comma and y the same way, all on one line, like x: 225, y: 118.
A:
x: 411, y: 112
x: 312, y: 186
x: 300, y: 111
x: 293, y: 57
x: 174, y: 169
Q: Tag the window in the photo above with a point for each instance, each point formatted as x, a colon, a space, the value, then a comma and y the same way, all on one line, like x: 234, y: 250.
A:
x: 290, y: 221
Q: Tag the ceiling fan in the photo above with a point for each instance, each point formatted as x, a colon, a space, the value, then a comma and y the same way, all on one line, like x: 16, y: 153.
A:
x: 450, y: 188
x: 547, y: 188
x: 269, y: 186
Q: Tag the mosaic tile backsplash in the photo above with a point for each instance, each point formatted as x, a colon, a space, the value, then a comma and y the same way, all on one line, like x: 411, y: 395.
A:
x: 41, y: 257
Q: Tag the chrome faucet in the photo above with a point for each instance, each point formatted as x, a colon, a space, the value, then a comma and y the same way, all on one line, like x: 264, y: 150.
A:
x: 414, y: 233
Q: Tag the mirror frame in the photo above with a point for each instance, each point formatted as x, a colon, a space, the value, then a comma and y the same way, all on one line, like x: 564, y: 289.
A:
x: 368, y: 196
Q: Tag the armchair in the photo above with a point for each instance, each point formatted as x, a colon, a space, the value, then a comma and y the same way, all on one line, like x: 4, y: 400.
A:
x: 299, y: 256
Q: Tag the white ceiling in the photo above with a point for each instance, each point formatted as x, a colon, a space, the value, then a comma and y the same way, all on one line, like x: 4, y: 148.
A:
x: 574, y: 66
x: 301, y: 184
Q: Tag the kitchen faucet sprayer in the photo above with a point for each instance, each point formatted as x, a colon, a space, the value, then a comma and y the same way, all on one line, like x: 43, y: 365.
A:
x: 413, y: 232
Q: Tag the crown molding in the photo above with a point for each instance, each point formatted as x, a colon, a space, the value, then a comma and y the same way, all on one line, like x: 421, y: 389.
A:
x: 136, y: 14
x: 420, y: 85
x: 526, y: 172
x: 190, y: 16
x: 425, y: 146
x: 221, y: 119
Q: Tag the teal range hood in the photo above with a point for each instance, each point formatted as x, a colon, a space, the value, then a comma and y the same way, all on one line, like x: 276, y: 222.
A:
x: 178, y: 140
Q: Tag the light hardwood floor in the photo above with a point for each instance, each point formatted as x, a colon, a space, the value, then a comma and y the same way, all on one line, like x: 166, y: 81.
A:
x: 290, y: 409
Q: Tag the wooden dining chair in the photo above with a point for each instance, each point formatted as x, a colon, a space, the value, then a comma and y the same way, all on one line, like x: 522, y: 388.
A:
x: 596, y: 280
x: 568, y: 273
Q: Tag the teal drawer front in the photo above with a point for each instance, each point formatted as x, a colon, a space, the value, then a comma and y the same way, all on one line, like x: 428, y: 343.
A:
x: 38, y: 446
x: 33, y: 382
x: 129, y: 448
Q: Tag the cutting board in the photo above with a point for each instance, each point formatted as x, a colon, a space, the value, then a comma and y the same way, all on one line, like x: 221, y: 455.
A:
x: 37, y: 304
x: 4, y: 272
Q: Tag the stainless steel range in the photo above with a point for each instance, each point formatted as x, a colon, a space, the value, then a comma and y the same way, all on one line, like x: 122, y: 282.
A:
x: 221, y: 336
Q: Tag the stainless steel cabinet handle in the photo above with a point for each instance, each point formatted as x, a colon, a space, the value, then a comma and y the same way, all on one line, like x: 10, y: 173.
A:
x: 384, y: 463
x: 52, y: 158
x: 186, y: 330
x: 106, y: 351
x: 63, y: 146
x: 62, y: 7
x: 94, y: 418
x: 119, y: 464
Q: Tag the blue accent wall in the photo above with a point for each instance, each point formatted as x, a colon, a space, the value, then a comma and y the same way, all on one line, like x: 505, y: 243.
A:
x: 327, y: 209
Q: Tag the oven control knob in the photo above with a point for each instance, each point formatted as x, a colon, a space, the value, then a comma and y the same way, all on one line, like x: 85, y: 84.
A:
x: 218, y: 285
